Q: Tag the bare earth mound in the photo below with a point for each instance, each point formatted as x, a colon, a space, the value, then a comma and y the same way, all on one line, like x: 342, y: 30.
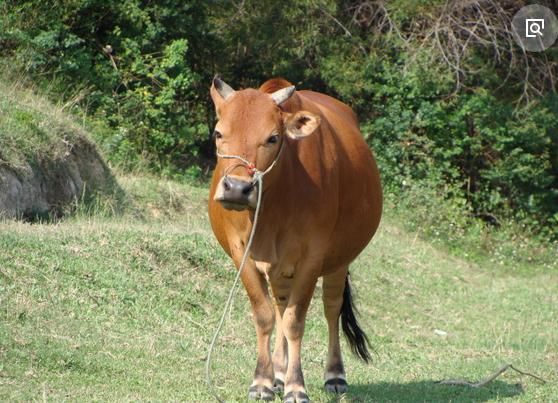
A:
x: 47, y: 161
x: 49, y: 186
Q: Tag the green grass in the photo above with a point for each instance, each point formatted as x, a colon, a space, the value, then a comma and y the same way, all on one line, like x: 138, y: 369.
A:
x: 101, y: 307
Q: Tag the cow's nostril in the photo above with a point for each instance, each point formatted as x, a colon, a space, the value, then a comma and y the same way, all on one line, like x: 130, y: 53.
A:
x: 247, y: 189
x: 226, y: 184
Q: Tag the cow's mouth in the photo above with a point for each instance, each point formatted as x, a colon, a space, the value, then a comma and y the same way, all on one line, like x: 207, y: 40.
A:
x: 231, y: 205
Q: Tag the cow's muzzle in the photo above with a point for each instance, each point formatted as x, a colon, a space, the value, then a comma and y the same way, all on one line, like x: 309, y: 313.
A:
x: 236, y: 193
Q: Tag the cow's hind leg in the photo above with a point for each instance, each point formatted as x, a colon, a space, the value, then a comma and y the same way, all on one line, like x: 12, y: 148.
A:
x: 333, y: 287
x: 256, y: 287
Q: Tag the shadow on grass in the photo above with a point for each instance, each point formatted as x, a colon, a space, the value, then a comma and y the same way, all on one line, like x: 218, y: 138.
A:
x: 428, y: 391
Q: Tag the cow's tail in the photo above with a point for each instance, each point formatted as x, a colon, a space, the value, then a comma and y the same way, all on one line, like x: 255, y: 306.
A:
x: 353, y: 332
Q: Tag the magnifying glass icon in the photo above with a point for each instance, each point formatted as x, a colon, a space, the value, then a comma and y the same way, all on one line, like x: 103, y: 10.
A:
x: 534, y: 27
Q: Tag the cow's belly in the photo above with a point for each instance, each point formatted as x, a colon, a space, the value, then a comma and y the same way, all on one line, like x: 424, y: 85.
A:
x: 360, y: 209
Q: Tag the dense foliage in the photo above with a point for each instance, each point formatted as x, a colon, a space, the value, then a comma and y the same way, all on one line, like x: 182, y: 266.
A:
x: 446, y: 98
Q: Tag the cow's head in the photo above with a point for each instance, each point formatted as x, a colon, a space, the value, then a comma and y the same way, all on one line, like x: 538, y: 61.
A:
x: 251, y: 125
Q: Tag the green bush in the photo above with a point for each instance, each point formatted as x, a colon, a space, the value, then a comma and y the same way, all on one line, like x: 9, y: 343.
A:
x: 157, y: 119
x: 500, y: 160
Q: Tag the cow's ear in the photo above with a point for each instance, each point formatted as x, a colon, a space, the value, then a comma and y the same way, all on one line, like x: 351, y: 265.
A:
x: 301, y: 124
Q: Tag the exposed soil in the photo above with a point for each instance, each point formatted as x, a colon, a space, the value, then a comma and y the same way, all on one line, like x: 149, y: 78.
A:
x: 48, y: 187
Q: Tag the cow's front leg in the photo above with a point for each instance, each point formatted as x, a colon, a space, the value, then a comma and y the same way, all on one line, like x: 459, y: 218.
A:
x: 262, y: 309
x: 292, y: 323
x: 280, y: 358
x: 281, y: 290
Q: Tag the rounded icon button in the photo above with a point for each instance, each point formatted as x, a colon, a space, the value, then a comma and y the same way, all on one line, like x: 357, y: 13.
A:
x: 535, y: 28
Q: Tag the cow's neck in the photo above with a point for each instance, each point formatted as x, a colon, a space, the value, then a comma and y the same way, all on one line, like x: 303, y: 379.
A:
x: 273, y: 220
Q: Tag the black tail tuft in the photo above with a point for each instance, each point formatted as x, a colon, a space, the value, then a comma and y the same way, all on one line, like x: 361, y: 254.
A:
x: 353, y: 332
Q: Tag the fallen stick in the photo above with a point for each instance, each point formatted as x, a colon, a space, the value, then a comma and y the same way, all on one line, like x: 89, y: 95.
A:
x: 460, y: 382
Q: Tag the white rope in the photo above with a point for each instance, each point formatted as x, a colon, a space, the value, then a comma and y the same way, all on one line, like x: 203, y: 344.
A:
x: 238, y: 157
x: 252, y: 166
x: 257, y: 177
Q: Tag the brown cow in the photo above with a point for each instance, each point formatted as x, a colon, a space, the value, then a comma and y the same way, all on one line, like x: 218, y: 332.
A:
x: 321, y: 205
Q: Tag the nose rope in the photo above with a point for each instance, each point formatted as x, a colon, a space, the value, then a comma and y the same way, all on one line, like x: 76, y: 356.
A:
x: 257, y: 176
x: 230, y: 168
x: 252, y: 170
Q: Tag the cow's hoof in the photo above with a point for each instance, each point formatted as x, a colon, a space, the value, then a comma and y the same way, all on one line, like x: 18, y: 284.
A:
x: 296, y: 397
x: 278, y: 386
x: 260, y: 392
x: 336, y: 385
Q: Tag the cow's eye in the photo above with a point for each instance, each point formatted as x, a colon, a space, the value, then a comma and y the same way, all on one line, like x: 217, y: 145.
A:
x: 217, y: 135
x: 274, y: 138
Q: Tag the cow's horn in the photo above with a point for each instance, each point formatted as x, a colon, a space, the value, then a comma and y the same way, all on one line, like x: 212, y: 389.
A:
x: 283, y: 94
x: 224, y: 89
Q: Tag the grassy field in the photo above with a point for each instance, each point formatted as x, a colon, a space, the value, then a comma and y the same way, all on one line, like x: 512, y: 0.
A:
x: 103, y: 308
